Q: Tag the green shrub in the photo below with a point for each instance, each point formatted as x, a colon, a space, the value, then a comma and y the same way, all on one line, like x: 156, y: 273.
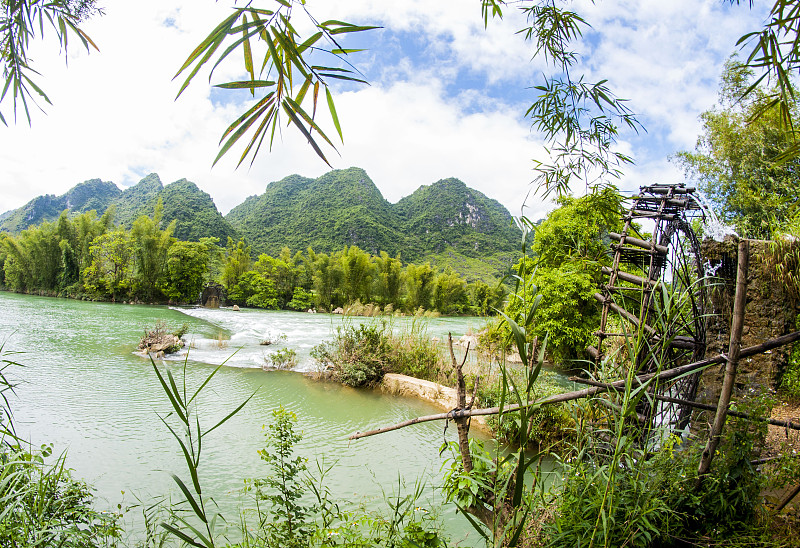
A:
x: 360, y: 356
x: 284, y: 358
x: 357, y: 356
x: 302, y: 300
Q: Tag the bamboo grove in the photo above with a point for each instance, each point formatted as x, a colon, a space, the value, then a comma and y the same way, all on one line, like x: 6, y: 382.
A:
x: 89, y: 257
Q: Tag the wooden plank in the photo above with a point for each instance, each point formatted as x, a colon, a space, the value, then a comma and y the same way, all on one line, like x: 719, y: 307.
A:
x: 630, y: 278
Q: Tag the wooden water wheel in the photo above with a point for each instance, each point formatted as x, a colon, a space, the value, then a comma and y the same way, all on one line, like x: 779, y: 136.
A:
x: 656, y: 292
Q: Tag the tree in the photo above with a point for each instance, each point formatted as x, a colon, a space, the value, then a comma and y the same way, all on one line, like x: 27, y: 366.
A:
x: 111, y: 267
x: 419, y: 286
x: 284, y: 271
x: 150, y: 248
x: 449, y: 292
x: 36, y: 255
x: 569, y: 249
x: 356, y: 274
x: 327, y: 278
x: 254, y: 289
x: 237, y: 262
x: 187, y: 271
x: 736, y: 159
x: 484, y: 299
x: 389, y: 278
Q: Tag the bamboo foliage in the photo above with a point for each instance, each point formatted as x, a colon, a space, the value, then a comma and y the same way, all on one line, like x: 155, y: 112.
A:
x: 21, y: 22
x: 287, y: 73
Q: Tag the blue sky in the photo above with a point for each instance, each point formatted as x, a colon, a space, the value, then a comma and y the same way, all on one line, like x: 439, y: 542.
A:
x: 446, y: 99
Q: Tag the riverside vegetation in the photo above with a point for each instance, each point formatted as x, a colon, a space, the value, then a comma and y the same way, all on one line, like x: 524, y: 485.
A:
x: 446, y: 223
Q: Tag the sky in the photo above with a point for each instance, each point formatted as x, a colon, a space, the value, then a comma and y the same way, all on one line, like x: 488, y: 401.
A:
x: 446, y: 98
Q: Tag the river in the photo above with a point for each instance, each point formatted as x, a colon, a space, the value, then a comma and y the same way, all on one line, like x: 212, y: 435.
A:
x: 83, y: 389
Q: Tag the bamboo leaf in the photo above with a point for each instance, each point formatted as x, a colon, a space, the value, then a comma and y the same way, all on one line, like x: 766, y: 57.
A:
x: 248, y: 53
x: 313, y: 39
x: 270, y: 117
x: 339, y: 51
x: 293, y: 117
x: 230, y: 49
x: 246, y: 84
x: 316, y: 98
x: 268, y: 108
x: 36, y: 88
x: 303, y: 90
x: 211, y: 41
x: 299, y: 110
x: 212, y: 48
x: 247, y: 114
x: 342, y: 77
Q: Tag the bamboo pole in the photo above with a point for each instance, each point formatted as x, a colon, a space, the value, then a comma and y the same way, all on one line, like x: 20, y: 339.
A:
x: 740, y: 301
x: 588, y: 392
x: 698, y: 405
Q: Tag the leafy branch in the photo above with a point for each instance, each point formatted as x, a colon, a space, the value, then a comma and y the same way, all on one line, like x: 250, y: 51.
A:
x: 285, y: 77
x: 578, y: 119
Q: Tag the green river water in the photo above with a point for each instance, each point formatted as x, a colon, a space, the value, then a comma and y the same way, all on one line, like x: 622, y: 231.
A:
x: 85, y: 391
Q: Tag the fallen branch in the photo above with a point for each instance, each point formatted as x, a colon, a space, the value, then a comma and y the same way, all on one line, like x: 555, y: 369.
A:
x: 589, y: 392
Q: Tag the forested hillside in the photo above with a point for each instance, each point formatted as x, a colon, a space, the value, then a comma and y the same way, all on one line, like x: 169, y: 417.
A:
x: 92, y: 194
x: 342, y: 207
x: 446, y: 223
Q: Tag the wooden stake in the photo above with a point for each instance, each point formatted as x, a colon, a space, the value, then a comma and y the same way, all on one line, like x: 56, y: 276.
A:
x: 462, y: 423
x: 739, y: 304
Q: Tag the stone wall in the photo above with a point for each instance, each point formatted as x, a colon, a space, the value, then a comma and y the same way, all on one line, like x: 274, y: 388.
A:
x: 770, y: 312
